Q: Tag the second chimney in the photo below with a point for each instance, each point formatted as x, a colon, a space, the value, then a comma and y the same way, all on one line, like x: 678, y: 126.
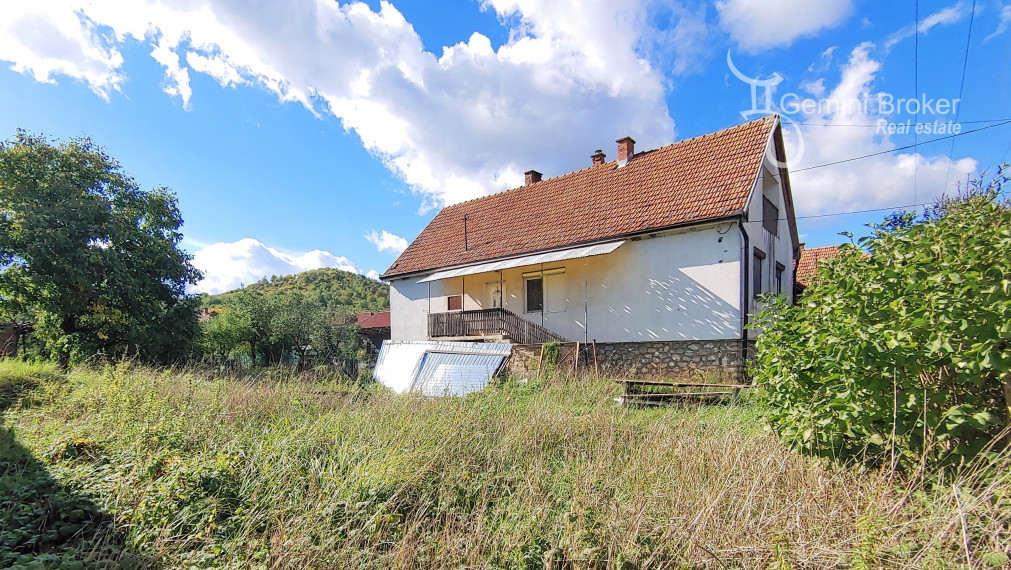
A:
x: 531, y: 176
x: 597, y: 157
x: 626, y: 148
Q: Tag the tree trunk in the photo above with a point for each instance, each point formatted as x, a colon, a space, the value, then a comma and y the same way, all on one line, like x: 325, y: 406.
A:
x: 68, y: 327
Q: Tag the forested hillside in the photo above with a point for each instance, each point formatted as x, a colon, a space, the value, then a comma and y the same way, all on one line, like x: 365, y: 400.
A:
x: 336, y: 289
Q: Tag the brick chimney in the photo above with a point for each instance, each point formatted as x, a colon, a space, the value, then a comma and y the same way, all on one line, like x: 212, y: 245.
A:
x: 626, y: 148
x: 597, y: 157
x: 531, y: 176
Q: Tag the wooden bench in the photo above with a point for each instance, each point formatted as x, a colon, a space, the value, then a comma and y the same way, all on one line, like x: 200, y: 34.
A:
x: 632, y: 392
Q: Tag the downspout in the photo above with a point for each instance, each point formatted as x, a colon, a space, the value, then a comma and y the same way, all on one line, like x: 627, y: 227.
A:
x: 745, y: 298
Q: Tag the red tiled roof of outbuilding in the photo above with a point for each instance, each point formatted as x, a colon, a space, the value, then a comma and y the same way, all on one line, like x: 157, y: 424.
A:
x: 809, y: 260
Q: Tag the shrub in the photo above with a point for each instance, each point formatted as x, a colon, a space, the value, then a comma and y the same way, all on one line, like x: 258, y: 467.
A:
x: 900, y: 351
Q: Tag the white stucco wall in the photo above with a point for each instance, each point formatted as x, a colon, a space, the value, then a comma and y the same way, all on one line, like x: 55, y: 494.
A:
x: 674, y: 286
x: 777, y: 248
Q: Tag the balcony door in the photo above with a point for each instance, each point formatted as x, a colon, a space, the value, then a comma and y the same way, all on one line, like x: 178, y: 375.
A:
x: 493, y: 295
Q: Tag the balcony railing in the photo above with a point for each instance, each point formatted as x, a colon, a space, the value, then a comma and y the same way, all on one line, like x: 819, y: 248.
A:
x: 485, y: 322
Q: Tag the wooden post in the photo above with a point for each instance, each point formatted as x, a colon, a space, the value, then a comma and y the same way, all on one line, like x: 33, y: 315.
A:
x: 540, y: 359
x: 575, y: 360
x: 596, y: 369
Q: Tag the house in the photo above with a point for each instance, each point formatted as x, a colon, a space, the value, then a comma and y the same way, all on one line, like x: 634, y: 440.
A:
x: 208, y: 313
x: 809, y: 260
x: 10, y: 337
x: 655, y: 259
x: 375, y: 328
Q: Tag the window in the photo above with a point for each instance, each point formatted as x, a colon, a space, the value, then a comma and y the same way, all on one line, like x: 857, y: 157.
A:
x: 535, y: 294
x: 770, y: 216
x: 756, y: 272
x: 455, y: 302
x: 779, y: 278
x: 545, y: 291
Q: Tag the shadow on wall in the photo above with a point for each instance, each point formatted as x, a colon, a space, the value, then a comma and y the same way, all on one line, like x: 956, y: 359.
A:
x: 682, y: 308
x: 46, y: 524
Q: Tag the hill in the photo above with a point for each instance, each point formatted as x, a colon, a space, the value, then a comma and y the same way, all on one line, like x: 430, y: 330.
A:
x: 336, y: 288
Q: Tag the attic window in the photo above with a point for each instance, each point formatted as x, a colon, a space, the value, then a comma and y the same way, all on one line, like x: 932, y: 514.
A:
x: 455, y: 302
x: 770, y: 216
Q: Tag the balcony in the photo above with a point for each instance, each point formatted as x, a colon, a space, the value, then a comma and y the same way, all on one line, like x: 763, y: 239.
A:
x: 489, y: 322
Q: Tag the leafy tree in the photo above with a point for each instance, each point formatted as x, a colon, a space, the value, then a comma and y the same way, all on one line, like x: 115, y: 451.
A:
x: 335, y: 336
x: 95, y: 258
x: 900, y: 352
x: 294, y: 315
x: 224, y: 334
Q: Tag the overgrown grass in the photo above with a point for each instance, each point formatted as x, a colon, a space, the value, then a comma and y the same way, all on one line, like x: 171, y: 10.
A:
x: 284, y: 473
x: 19, y: 375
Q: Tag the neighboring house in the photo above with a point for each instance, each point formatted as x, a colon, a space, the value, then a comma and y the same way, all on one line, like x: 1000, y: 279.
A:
x: 809, y: 260
x: 208, y: 313
x: 655, y: 258
x: 10, y: 337
x: 375, y: 327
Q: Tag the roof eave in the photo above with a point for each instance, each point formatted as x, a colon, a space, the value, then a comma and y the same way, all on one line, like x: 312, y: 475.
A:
x: 406, y: 275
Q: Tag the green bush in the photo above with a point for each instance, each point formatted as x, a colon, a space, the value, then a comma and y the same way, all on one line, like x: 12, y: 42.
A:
x: 900, y: 351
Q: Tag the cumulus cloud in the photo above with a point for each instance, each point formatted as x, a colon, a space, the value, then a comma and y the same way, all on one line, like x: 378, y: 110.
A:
x: 388, y: 242
x: 757, y: 24
x: 227, y: 266
x: 876, y: 182
x: 454, y: 125
x: 373, y: 274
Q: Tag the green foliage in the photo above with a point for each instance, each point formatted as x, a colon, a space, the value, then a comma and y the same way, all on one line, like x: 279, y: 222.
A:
x: 284, y: 472
x: 552, y: 352
x: 271, y: 327
x: 335, y: 289
x: 901, y: 350
x: 94, y: 259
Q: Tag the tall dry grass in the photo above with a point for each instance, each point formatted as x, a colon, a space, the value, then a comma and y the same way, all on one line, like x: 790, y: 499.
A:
x: 283, y: 473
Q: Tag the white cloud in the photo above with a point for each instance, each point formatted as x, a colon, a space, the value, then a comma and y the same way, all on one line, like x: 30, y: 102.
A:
x: 373, y: 274
x: 759, y: 24
x: 454, y: 125
x: 386, y: 241
x: 1003, y: 23
x: 227, y: 266
x: 876, y: 182
x: 47, y: 39
x: 943, y: 17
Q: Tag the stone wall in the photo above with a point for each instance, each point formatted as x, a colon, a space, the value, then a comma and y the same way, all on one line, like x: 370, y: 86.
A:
x: 656, y: 359
x: 671, y: 359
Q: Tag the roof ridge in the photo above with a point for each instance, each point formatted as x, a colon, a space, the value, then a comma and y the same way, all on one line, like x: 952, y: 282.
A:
x: 723, y: 131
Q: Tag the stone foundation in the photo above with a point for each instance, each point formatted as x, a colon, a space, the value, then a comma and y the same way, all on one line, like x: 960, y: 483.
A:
x: 654, y: 359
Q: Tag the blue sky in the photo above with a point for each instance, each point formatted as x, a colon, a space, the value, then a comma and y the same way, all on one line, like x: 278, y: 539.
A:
x: 313, y: 133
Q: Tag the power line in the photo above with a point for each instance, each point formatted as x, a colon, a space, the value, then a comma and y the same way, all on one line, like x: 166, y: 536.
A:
x: 961, y: 86
x: 908, y: 146
x: 916, y: 80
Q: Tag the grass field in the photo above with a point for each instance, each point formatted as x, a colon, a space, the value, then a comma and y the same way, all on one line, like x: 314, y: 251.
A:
x: 133, y: 467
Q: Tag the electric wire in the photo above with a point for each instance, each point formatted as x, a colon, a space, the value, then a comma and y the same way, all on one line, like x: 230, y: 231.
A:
x: 961, y: 87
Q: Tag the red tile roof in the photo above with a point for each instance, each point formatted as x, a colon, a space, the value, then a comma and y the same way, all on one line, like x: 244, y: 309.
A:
x: 809, y: 260
x: 374, y: 320
x: 690, y: 181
